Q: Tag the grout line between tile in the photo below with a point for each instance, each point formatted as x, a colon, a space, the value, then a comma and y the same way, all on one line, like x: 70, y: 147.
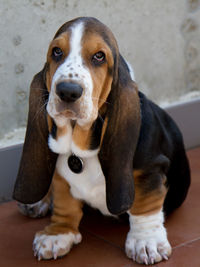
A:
x: 103, y: 239
x: 187, y: 243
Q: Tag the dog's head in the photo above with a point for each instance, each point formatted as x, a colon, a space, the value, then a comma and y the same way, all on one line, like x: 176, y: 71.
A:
x: 80, y: 70
x: 84, y: 77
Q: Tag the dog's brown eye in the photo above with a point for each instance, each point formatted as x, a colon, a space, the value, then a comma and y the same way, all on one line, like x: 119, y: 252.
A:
x: 57, y: 52
x: 99, y: 57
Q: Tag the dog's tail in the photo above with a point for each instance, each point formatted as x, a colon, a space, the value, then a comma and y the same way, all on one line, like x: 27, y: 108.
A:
x: 178, y: 179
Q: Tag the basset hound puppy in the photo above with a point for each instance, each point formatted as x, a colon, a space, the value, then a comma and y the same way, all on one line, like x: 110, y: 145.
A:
x: 96, y: 139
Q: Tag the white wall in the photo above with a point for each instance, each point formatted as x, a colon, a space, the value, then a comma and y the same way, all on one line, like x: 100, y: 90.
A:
x: 160, y: 38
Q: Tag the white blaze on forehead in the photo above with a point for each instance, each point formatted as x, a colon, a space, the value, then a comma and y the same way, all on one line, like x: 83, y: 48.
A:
x: 74, y: 70
x: 75, y: 42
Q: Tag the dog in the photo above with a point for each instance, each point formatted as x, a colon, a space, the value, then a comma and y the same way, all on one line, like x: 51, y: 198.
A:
x: 96, y: 139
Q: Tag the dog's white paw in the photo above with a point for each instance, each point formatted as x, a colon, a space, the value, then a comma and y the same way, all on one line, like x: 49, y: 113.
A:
x: 53, y: 246
x: 148, y: 251
x: 147, y: 242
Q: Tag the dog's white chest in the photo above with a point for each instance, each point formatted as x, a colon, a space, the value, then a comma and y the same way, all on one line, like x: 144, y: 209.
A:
x: 89, y: 185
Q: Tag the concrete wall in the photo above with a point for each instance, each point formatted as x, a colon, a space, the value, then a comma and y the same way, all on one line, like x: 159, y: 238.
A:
x: 160, y: 38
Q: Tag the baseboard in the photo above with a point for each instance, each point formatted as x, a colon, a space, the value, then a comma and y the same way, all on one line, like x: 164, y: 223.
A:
x: 9, y: 164
x: 186, y: 115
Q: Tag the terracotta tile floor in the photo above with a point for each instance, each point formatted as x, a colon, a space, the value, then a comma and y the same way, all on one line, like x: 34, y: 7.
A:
x: 103, y: 238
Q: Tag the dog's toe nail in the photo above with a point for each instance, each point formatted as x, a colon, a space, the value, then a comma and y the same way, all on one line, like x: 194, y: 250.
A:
x: 39, y: 257
x: 165, y: 257
x: 152, y: 260
x: 55, y: 255
x: 145, y: 261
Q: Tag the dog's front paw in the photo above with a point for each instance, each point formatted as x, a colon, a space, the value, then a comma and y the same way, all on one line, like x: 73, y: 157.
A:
x: 53, y: 246
x: 147, y: 242
x: 148, y: 251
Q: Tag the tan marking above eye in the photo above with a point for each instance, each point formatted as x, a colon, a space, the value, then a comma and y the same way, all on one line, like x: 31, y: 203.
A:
x: 94, y: 45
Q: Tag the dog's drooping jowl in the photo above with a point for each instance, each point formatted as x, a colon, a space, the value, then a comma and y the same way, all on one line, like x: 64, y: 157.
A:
x: 93, y: 138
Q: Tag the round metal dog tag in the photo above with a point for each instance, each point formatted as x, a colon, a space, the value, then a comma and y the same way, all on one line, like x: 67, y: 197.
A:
x: 75, y: 164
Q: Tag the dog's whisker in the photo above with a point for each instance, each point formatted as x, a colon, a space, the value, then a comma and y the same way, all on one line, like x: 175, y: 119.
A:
x: 41, y: 109
x: 106, y: 102
x: 45, y: 94
x: 40, y: 89
x: 101, y: 118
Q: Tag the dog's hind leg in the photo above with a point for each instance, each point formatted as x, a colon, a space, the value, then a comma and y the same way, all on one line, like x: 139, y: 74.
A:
x: 147, y: 241
x: 38, y: 209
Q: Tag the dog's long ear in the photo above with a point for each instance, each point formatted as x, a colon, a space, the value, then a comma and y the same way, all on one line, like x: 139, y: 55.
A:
x: 37, y: 162
x: 120, y: 139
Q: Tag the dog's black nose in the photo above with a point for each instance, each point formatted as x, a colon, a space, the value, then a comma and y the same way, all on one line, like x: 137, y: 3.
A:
x: 69, y: 92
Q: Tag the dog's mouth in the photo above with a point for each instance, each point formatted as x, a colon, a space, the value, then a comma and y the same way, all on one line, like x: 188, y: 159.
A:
x: 68, y: 113
x: 68, y: 110
x: 74, y: 111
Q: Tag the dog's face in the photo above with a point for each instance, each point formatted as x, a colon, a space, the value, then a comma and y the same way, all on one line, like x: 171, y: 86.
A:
x: 79, y: 75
